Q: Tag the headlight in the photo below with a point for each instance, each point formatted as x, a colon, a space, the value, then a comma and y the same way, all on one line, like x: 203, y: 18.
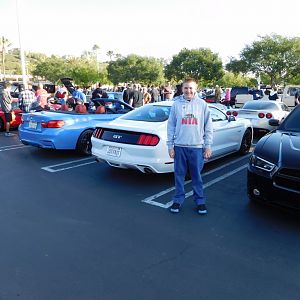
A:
x: 262, y: 164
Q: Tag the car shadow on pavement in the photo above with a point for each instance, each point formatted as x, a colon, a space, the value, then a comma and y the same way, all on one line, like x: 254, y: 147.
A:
x: 276, y: 215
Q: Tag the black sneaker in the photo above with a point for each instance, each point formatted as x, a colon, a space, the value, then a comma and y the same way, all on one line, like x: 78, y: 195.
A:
x: 201, y: 208
x: 175, y: 208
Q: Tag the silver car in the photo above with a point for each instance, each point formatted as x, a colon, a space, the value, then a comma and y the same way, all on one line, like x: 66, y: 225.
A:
x: 259, y: 112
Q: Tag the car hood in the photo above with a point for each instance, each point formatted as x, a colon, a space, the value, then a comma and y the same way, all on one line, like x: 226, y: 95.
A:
x: 281, y: 148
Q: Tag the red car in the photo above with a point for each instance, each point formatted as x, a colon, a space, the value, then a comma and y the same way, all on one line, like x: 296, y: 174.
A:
x: 16, y: 116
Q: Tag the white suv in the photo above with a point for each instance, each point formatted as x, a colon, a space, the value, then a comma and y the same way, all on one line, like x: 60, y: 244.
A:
x: 288, y: 96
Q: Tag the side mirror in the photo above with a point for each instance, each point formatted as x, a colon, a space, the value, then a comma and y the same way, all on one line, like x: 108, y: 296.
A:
x: 274, y: 122
x: 231, y: 118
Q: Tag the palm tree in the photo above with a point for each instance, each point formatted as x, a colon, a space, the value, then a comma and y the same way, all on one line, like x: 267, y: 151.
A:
x: 96, y: 49
x: 110, y: 54
x: 4, y: 44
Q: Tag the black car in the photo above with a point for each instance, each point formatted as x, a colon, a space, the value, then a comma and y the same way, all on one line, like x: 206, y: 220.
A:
x: 274, y: 167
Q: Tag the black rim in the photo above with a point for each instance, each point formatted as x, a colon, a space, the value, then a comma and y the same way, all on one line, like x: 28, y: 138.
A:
x: 246, y: 143
x: 85, y: 142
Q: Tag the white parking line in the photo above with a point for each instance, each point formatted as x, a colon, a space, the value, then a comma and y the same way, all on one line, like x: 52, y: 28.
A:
x: 52, y: 169
x: 150, y: 200
x: 12, y: 147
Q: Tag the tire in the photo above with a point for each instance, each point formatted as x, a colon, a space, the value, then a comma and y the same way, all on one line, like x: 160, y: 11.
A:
x: 84, y: 144
x: 1, y: 125
x: 246, y: 142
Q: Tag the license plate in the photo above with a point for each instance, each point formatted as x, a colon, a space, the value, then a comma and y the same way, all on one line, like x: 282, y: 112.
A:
x: 114, y: 151
x: 32, y: 124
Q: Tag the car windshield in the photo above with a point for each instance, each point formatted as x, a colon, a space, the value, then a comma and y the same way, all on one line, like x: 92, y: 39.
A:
x: 149, y: 113
x: 291, y: 123
x: 258, y: 105
x: 113, y: 95
x: 113, y: 105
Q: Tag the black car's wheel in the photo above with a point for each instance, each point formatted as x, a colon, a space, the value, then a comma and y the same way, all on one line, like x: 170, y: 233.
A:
x: 84, y: 144
x: 1, y: 125
x: 246, y: 142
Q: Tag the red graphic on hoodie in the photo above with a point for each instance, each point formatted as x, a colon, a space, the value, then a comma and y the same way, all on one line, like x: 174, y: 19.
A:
x: 189, y: 119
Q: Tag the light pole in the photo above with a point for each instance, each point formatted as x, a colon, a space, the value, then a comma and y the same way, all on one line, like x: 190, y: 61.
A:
x: 22, y: 55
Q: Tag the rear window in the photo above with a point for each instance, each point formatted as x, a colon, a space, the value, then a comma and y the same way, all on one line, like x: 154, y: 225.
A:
x: 293, y: 90
x: 149, y: 113
x: 258, y: 105
x: 237, y: 90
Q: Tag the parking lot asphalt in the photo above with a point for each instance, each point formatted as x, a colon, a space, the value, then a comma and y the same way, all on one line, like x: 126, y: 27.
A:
x: 72, y: 228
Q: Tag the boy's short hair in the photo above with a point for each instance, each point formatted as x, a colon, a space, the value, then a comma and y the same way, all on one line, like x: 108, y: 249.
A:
x: 188, y: 80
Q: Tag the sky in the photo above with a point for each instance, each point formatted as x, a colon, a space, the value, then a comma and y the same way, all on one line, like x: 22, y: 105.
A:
x: 156, y: 28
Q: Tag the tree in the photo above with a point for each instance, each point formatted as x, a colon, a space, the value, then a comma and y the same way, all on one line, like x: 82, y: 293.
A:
x: 52, y: 68
x: 33, y: 59
x: 274, y: 56
x: 110, y: 54
x: 200, y: 64
x: 237, y: 66
x: 83, y: 71
x: 134, y: 68
x: 4, y: 44
x: 96, y: 49
x: 12, y: 61
x: 231, y: 79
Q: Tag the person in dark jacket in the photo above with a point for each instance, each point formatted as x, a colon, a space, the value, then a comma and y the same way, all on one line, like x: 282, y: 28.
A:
x: 127, y: 94
x: 273, y: 94
x: 297, y: 98
x: 178, y: 90
x: 97, y: 93
x: 136, y: 98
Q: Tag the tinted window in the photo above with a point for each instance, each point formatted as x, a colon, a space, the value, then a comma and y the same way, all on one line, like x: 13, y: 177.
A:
x: 149, y: 113
x: 258, y: 105
x: 291, y: 123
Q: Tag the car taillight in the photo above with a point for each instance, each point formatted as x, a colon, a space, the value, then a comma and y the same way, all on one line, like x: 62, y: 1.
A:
x: 98, y: 133
x: 53, y: 124
x: 228, y: 113
x: 269, y: 116
x: 148, y: 140
x: 261, y: 115
x: 235, y: 113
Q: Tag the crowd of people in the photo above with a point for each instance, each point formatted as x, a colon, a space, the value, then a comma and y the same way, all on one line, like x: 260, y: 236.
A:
x: 135, y: 95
